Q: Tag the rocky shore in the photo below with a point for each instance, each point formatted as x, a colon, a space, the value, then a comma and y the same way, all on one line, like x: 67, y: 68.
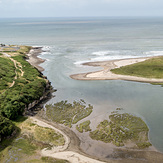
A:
x: 34, y: 60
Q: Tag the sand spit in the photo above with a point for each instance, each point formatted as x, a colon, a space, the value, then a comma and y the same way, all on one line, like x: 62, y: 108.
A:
x: 106, y: 74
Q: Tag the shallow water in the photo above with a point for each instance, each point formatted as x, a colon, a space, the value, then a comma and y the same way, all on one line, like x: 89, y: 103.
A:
x: 68, y: 42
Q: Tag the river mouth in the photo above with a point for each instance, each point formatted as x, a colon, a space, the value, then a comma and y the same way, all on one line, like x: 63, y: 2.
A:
x: 67, y: 45
x: 141, y: 99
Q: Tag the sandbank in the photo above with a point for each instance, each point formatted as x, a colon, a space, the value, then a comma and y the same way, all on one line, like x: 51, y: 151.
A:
x: 106, y: 74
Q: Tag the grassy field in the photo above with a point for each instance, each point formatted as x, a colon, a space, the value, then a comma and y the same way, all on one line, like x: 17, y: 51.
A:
x: 152, y: 68
x: 121, y: 129
x: 7, y: 73
x: 26, y: 146
x: 85, y: 126
x: 67, y: 113
x: 45, y: 136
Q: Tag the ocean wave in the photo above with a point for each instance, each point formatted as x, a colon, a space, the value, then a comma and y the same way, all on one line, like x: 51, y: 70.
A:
x: 44, y: 53
x: 80, y: 63
x: 113, y: 57
x: 153, y: 53
x: 108, y: 52
x: 106, y: 55
x: 46, y: 48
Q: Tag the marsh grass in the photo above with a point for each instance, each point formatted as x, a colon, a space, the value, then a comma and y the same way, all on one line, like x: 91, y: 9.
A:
x: 85, y: 126
x: 122, y: 128
x: 48, y: 136
x: 151, y: 68
x: 67, y: 113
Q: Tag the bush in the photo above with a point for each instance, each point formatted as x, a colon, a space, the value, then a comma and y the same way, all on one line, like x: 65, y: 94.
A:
x: 6, y: 127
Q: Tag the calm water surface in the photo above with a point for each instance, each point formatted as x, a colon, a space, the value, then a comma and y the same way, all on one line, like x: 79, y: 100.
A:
x: 72, y: 41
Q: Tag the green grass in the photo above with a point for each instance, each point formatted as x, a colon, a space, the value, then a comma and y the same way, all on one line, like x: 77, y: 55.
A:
x: 48, y: 136
x: 120, y: 129
x: 25, y: 146
x: 7, y: 72
x: 52, y: 160
x: 152, y: 68
x: 67, y: 113
x: 27, y: 88
x: 24, y: 150
x: 20, y: 148
x: 85, y: 126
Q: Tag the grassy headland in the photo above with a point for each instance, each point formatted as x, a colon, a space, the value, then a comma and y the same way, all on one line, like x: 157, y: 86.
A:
x: 151, y: 68
x: 20, y: 85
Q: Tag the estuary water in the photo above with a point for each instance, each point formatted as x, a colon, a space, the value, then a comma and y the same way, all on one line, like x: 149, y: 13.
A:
x: 69, y: 42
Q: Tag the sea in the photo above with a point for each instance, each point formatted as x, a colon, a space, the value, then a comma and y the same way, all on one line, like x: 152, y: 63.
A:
x: 69, y: 42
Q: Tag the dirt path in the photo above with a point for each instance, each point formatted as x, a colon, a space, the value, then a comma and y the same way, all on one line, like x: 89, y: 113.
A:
x: 61, y: 152
x: 16, y: 67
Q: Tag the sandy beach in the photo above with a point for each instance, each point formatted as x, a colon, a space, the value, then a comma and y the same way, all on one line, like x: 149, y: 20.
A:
x: 106, y: 74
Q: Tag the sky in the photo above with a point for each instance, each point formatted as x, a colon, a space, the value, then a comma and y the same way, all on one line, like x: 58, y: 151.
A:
x: 80, y: 8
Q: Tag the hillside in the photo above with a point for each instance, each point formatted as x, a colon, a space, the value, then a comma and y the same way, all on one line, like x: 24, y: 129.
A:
x: 21, y: 85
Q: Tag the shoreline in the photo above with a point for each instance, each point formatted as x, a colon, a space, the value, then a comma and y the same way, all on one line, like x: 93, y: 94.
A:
x: 71, y: 151
x: 106, y: 74
x: 75, y: 154
x: 33, y: 58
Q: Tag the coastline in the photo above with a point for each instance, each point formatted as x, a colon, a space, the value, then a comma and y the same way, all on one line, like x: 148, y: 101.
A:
x: 33, y: 58
x: 106, y: 74
x: 73, y: 152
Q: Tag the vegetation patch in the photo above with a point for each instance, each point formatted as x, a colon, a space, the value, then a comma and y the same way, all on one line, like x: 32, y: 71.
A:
x: 48, y: 136
x: 121, y: 129
x: 20, y: 83
x: 151, y: 68
x: 7, y: 73
x: 67, y: 113
x: 43, y: 135
x: 26, y: 146
x: 53, y: 160
x: 85, y: 126
x: 6, y: 127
